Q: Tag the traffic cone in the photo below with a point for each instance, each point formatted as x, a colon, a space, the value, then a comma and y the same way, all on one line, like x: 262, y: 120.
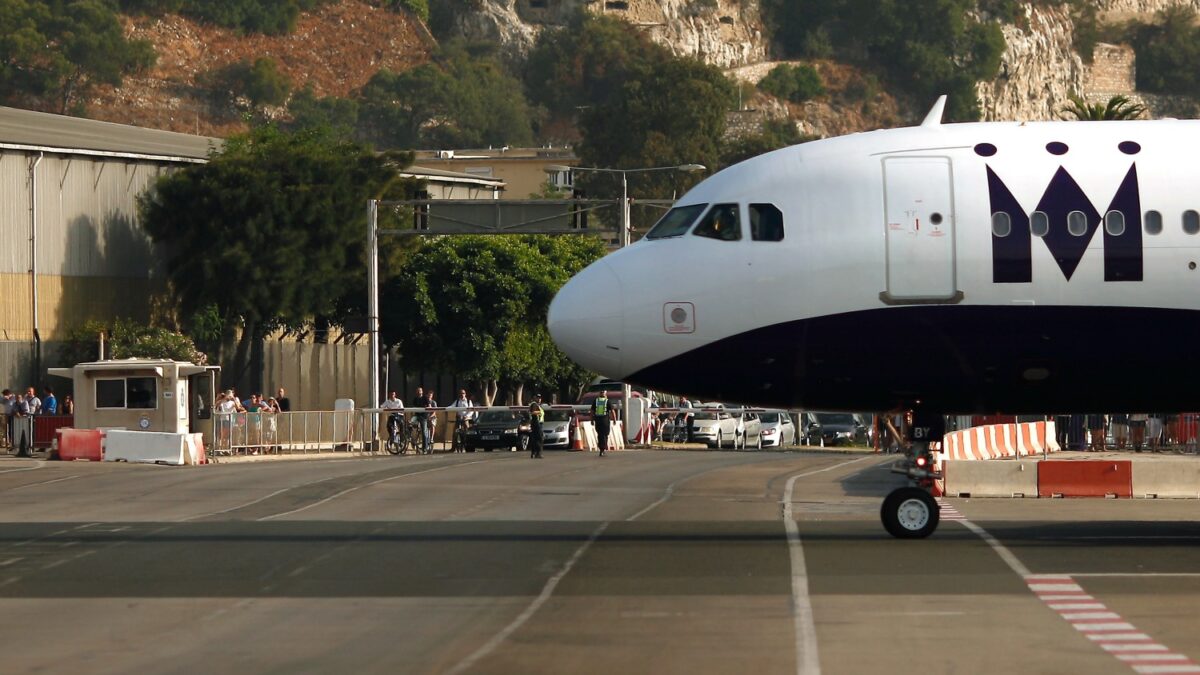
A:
x: 577, y: 444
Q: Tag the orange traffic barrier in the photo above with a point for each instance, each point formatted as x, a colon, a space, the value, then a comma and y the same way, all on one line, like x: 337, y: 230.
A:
x: 84, y: 444
x: 1085, y: 479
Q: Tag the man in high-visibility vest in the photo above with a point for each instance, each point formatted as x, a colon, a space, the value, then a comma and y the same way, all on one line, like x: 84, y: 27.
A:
x: 602, y: 414
x: 537, y: 417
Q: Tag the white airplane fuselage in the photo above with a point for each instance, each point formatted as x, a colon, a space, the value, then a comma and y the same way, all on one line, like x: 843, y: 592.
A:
x: 986, y: 267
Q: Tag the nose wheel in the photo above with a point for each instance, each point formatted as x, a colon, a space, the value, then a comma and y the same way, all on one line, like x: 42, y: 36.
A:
x: 910, y: 513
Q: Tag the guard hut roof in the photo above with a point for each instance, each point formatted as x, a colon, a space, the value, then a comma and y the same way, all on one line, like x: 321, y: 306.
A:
x: 46, y: 132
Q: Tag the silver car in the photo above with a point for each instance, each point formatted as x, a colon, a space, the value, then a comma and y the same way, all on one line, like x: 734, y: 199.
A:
x: 556, y: 428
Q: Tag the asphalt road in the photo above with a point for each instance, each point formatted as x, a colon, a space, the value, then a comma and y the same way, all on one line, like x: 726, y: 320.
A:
x: 641, y: 562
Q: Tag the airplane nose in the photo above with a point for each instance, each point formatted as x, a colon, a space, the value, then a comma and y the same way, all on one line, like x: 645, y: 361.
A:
x: 586, y: 322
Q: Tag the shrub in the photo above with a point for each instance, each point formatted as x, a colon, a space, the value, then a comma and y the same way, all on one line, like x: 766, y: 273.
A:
x: 793, y: 83
x: 261, y: 82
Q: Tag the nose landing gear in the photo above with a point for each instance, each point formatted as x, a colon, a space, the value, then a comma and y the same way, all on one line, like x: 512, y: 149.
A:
x: 911, y: 512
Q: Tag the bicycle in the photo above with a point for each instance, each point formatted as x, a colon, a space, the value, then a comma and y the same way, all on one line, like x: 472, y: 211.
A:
x: 415, y: 436
x: 397, y: 440
x: 459, y: 442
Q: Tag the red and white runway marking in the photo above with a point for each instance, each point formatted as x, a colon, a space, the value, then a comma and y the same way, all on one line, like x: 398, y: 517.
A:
x: 948, y: 512
x: 1106, y: 628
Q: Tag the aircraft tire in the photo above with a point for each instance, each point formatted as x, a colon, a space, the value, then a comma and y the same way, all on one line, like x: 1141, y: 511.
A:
x: 909, y: 513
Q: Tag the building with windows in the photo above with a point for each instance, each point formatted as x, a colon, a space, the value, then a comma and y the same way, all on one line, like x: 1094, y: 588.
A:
x: 522, y: 170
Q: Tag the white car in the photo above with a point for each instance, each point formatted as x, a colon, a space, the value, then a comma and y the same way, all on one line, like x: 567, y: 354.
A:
x: 776, y: 429
x: 717, y: 428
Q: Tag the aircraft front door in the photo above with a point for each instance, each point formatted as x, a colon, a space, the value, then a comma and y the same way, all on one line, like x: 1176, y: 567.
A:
x: 920, y: 233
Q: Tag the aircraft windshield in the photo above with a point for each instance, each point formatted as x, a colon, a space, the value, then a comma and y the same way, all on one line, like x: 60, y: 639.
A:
x: 676, y: 222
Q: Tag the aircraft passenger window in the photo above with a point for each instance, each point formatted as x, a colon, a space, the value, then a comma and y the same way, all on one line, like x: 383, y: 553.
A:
x: 1153, y: 222
x: 1191, y: 222
x: 1114, y: 223
x: 1001, y: 224
x: 766, y: 223
x: 1077, y: 223
x: 1039, y: 224
x: 676, y: 221
x: 722, y: 223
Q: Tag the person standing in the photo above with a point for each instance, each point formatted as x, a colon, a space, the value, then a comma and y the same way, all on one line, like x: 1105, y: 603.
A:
x: 602, y: 416
x: 686, y: 418
x: 49, y: 402
x: 1137, y: 430
x: 68, y: 405
x: 6, y: 415
x: 1120, y: 429
x: 537, y: 419
x: 1095, y: 425
x: 285, y: 404
x: 33, y: 405
x: 430, y: 423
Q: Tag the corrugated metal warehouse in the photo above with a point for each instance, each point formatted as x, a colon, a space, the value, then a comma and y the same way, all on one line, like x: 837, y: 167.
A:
x: 71, y: 248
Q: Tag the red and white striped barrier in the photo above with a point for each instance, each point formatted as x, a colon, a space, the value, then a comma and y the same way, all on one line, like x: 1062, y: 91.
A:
x: 994, y: 441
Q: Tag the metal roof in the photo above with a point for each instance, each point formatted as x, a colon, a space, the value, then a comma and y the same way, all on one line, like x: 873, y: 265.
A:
x: 38, y: 131
x: 444, y: 176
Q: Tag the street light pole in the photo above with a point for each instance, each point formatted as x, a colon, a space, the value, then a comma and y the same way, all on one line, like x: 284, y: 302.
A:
x: 623, y: 241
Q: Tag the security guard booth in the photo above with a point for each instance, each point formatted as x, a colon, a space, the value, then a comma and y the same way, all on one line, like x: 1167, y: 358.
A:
x: 144, y: 395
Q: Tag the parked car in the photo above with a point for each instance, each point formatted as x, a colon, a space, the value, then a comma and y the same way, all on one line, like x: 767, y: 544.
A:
x: 834, y: 429
x: 557, y: 428
x: 717, y: 428
x: 498, y: 429
x: 776, y: 429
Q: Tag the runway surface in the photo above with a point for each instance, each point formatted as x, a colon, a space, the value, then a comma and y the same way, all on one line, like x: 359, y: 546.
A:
x: 640, y: 562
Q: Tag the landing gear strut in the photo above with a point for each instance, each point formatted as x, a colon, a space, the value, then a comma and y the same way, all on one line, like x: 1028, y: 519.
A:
x: 911, y: 512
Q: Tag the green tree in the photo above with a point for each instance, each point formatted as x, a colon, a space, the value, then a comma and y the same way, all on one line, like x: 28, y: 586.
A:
x: 458, y: 100
x: 61, y: 49
x: 636, y: 104
x: 1116, y: 108
x: 476, y: 306
x: 270, y: 232
x: 793, y: 83
x: 338, y: 115
x: 128, y: 339
x: 925, y: 47
x: 1168, y: 53
x: 260, y: 82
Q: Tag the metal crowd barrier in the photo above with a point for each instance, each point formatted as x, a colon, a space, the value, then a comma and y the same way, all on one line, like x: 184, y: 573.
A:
x: 290, y: 432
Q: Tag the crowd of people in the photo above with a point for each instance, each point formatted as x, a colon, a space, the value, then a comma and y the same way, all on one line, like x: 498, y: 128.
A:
x: 1137, y: 431
x: 19, y: 407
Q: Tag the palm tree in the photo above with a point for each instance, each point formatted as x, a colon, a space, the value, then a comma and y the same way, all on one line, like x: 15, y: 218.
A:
x: 1117, y: 108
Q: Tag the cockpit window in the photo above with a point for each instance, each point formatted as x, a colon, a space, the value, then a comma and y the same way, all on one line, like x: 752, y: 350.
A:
x: 676, y: 221
x: 766, y: 222
x: 721, y: 222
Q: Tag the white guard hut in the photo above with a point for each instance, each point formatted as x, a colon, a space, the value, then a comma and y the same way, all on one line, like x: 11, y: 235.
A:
x: 173, y: 397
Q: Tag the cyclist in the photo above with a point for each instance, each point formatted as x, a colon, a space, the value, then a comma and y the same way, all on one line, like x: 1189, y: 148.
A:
x: 395, y: 420
x: 462, y: 420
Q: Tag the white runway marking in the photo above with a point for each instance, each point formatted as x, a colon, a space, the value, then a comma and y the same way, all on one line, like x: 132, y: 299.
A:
x: 808, y: 661
x: 532, y: 609
x: 367, y: 485
x: 1117, y: 637
x: 45, y: 482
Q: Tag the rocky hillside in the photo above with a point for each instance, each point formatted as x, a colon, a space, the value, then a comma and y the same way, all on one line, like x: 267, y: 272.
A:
x: 335, y: 50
